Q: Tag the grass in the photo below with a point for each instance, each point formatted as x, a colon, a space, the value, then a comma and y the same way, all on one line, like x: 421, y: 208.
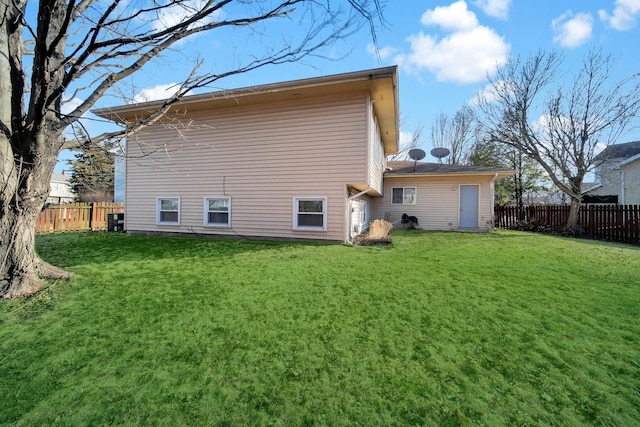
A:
x: 439, y: 329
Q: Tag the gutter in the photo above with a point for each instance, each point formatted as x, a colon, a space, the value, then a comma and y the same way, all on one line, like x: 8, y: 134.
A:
x: 348, y: 213
x: 269, y: 88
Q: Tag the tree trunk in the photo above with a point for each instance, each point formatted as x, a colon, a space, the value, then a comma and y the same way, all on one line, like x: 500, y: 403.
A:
x: 21, y: 270
x: 574, y: 210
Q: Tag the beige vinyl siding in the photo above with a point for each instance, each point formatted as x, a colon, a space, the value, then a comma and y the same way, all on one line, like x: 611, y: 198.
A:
x: 437, y: 201
x: 632, y: 183
x: 610, y: 179
x: 611, y: 175
x: 261, y: 156
x: 376, y: 153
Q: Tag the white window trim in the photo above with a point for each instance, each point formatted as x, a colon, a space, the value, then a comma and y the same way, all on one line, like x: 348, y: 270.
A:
x: 415, y: 198
x: 206, y: 212
x: 363, y: 214
x: 296, y: 199
x: 158, y: 221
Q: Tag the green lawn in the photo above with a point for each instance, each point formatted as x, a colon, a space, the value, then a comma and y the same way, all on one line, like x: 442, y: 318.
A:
x: 438, y: 329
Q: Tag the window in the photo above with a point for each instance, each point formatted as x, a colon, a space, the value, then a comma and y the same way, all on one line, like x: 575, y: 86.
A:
x: 168, y: 210
x: 403, y: 195
x: 217, y: 211
x: 310, y: 213
x: 363, y: 213
x: 376, y: 140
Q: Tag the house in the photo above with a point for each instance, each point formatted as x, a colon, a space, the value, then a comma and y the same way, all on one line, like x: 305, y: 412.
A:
x: 617, y: 174
x: 441, y: 197
x: 60, y: 189
x: 301, y: 159
x: 118, y: 177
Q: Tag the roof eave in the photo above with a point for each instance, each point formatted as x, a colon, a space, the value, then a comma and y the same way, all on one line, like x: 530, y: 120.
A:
x: 382, y: 83
x: 500, y: 174
x: 115, y: 113
x: 630, y: 160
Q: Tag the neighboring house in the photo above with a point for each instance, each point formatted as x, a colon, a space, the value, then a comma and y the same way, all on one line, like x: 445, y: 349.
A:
x: 618, y: 174
x: 60, y: 189
x: 118, y: 177
x: 297, y: 160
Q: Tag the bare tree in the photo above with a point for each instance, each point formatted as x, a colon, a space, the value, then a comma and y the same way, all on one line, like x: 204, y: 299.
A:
x: 440, y: 131
x: 528, y: 180
x: 454, y: 134
x: 413, y: 143
x: 591, y: 111
x: 89, y: 49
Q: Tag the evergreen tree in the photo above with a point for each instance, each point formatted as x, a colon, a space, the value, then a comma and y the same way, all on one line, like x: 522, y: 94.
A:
x: 92, y: 173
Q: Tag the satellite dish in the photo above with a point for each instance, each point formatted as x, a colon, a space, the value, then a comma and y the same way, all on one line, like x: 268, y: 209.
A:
x: 440, y: 153
x: 417, y: 154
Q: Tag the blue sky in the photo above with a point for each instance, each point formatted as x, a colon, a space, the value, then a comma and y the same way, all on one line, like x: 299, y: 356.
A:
x: 444, y: 51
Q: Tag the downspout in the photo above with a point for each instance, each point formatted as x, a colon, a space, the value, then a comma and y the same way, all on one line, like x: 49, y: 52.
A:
x: 348, y: 208
x: 493, y: 202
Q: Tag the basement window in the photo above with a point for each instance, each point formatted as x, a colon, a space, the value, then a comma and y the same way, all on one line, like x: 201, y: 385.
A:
x: 217, y: 211
x: 310, y: 213
x: 168, y: 211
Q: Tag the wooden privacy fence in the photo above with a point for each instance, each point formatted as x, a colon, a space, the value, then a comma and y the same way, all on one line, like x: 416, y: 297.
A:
x: 76, y: 217
x: 617, y: 223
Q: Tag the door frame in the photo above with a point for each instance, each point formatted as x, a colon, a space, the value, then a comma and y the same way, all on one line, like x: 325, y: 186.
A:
x: 461, y: 205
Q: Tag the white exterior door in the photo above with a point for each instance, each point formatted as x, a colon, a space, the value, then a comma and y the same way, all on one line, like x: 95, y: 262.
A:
x: 358, y: 216
x: 469, y: 206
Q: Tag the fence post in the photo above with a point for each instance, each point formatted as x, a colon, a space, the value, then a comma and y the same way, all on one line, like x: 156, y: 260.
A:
x: 91, y: 210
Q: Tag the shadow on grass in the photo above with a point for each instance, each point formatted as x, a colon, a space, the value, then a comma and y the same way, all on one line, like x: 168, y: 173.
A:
x: 75, y: 249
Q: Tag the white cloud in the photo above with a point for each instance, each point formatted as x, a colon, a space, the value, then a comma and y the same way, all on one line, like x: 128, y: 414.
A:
x: 382, y: 52
x: 488, y: 94
x: 466, y: 55
x: 177, y: 13
x: 600, y: 146
x: 572, y: 31
x: 496, y: 8
x: 405, y: 139
x: 69, y: 105
x: 155, y: 93
x: 462, y: 57
x: 623, y: 16
x: 455, y: 17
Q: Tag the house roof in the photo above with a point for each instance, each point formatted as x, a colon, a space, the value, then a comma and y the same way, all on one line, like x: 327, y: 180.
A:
x: 630, y: 159
x: 619, y: 151
x: 590, y: 186
x: 381, y: 83
x: 410, y: 168
x: 58, y: 177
